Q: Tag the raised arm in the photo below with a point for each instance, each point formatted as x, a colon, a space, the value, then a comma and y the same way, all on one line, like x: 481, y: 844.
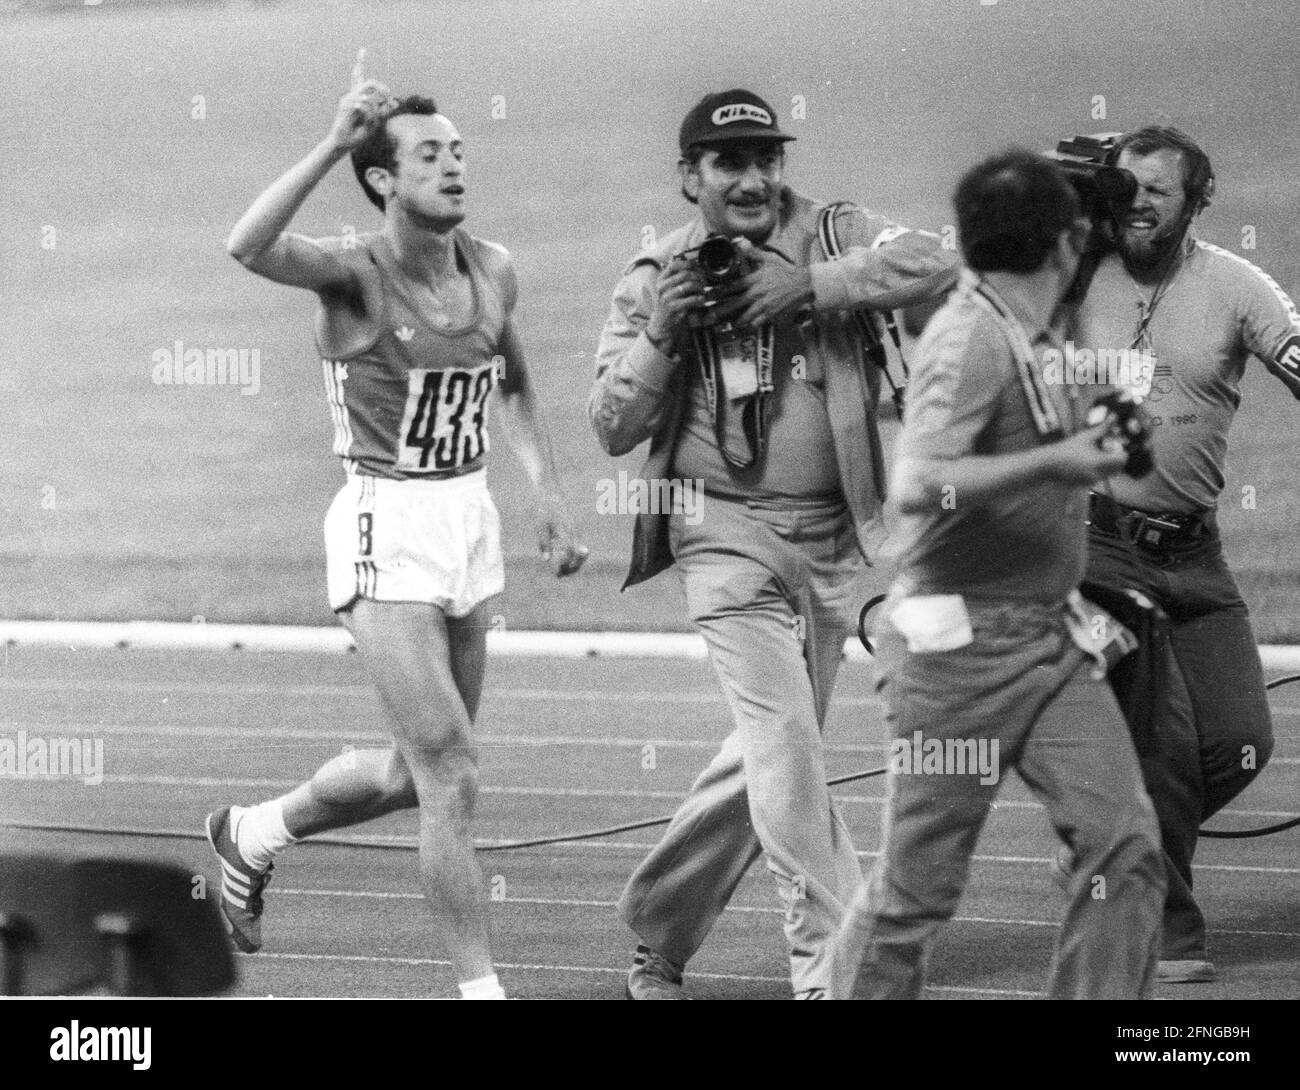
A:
x: 259, y: 240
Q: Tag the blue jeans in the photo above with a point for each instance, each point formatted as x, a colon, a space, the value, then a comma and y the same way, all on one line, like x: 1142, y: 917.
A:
x: 1023, y: 684
x: 1218, y: 733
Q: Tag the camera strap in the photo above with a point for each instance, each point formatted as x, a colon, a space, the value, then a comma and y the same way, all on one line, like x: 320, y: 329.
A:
x: 1039, y: 399
x: 754, y: 408
x: 873, y: 346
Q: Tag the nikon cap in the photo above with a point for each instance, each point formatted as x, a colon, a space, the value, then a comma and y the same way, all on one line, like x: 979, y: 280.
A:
x: 727, y: 116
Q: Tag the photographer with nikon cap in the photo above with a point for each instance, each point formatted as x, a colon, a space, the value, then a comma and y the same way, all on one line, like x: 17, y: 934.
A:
x: 744, y: 367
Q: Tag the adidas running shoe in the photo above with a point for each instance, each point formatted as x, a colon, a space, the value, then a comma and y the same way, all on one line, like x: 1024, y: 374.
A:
x: 241, y: 885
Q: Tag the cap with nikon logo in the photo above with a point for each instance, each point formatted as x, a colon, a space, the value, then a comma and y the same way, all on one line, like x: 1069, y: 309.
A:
x: 729, y: 115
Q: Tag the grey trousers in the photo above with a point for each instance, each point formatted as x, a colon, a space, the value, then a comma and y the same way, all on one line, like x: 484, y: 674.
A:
x: 1024, y: 684
x: 774, y: 593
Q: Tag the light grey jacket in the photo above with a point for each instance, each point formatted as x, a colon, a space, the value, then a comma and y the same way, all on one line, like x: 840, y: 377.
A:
x: 639, y: 393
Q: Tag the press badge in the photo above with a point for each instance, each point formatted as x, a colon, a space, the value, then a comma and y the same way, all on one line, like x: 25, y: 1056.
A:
x: 933, y: 622
x: 738, y: 354
x: 1142, y: 371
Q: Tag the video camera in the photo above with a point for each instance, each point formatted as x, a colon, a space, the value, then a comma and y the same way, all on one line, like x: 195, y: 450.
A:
x: 1105, y: 190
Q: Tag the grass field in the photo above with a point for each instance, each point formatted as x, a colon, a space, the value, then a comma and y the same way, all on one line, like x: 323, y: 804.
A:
x: 137, y: 133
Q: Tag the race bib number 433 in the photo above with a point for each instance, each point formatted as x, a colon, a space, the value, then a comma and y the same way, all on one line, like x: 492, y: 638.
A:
x: 444, y: 424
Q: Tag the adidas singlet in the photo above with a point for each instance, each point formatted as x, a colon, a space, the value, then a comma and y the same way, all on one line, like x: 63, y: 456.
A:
x: 413, y: 403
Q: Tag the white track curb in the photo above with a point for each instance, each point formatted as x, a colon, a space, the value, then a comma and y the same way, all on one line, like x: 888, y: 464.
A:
x: 169, y: 636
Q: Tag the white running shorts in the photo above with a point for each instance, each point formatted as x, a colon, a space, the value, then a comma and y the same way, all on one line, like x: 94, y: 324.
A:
x: 435, y: 541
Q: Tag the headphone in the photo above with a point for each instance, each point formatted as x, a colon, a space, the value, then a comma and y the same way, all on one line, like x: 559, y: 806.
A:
x: 1200, y: 184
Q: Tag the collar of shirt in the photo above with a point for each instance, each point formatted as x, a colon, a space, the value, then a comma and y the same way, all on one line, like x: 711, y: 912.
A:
x: 1036, y: 324
x: 1038, y: 330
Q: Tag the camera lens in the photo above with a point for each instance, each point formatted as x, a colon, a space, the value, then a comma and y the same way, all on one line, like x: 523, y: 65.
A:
x: 1116, y: 185
x: 717, y: 257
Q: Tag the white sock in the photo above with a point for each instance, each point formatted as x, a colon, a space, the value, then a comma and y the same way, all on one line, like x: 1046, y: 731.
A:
x: 260, y: 832
x: 485, y: 987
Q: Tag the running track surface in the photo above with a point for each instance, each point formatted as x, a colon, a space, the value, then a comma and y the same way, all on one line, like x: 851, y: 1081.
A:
x: 564, y: 745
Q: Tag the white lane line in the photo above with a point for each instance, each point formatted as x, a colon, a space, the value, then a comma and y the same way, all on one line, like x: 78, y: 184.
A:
x: 602, y: 970
x: 512, y: 966
x: 257, y: 739
x: 1035, y: 861
x: 559, y: 792
x: 558, y: 696
x: 177, y: 636
x: 256, y: 735
x: 983, y: 991
x: 192, y: 688
x: 630, y: 846
x: 568, y: 902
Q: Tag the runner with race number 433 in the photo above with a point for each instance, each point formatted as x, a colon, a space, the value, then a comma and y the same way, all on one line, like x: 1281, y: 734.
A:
x: 414, y: 329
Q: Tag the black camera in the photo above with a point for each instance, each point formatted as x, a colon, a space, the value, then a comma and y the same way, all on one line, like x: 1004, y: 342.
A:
x: 719, y: 264
x: 1130, y: 424
x: 717, y: 260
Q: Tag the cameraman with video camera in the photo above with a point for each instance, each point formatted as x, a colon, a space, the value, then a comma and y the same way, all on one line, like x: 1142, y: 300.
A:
x: 1197, y: 313
x: 739, y: 358
x: 984, y: 646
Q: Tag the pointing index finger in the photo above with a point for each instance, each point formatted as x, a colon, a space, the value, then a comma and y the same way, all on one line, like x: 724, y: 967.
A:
x: 358, y: 69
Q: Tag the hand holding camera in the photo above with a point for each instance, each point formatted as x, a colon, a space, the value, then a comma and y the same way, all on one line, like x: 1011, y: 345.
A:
x: 1125, y: 421
x: 774, y: 287
x: 1087, y: 456
x: 719, y: 266
x: 678, y: 295
x: 699, y: 288
x: 735, y: 284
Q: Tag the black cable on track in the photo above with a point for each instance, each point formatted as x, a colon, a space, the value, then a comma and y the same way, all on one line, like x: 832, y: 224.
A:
x: 1281, y: 826
x: 567, y: 838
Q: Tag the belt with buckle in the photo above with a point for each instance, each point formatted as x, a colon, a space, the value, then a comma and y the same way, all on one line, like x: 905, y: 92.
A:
x: 1156, y: 532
